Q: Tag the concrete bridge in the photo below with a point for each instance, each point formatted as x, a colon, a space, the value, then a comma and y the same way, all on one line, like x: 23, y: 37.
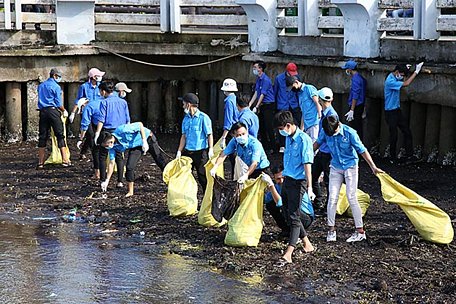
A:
x: 143, y: 42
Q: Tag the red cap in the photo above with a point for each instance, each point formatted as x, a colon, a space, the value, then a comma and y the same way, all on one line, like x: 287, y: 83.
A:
x: 292, y: 69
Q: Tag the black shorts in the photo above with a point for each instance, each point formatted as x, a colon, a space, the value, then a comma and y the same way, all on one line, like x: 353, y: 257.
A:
x: 50, y: 117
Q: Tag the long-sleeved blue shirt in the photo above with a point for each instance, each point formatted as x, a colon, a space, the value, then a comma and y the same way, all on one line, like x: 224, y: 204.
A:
x: 90, y: 114
x: 263, y: 85
x: 49, y: 94
x: 88, y: 91
x: 250, y: 119
x: 231, y: 112
x: 308, y: 107
x: 286, y: 100
x: 127, y: 137
x: 357, y: 90
x: 326, y: 112
x: 114, y: 112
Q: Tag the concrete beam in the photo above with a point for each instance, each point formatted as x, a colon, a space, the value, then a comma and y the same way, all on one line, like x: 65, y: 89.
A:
x: 262, y: 17
x: 361, y: 38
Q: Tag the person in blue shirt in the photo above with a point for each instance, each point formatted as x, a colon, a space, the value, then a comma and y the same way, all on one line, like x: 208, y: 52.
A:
x: 310, y: 107
x: 287, y: 100
x: 230, y: 111
x: 393, y: 114
x: 356, y: 98
x: 196, y: 137
x: 263, y: 103
x: 297, y: 162
x: 51, y: 109
x: 273, y: 202
x: 249, y: 150
x: 344, y: 145
x: 246, y: 116
x: 113, y: 113
x: 137, y: 140
x: 323, y: 157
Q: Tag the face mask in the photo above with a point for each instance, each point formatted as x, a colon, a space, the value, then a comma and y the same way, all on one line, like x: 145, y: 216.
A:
x: 186, y: 111
x: 110, y: 145
x: 347, y: 72
x: 58, y: 79
x: 98, y: 78
x: 226, y: 93
x: 399, y: 77
x: 255, y: 72
x: 243, y: 139
x: 123, y: 94
x: 284, y: 133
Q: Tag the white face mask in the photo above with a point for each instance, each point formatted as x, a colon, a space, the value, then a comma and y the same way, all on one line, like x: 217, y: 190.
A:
x: 186, y: 110
x: 98, y: 78
x: 347, y: 72
x: 226, y: 93
x: 123, y: 94
x: 255, y: 72
x: 243, y: 139
x: 58, y: 79
x: 399, y: 77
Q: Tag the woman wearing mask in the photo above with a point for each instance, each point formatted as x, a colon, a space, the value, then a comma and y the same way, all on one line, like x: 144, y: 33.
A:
x: 122, y: 90
x: 248, y: 148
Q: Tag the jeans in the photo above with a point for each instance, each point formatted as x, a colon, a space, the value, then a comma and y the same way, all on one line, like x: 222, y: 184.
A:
x: 336, y: 178
x: 292, y: 193
x: 50, y: 118
x: 199, y: 159
x: 357, y: 122
x: 395, y: 120
x: 320, y: 164
x: 266, y: 117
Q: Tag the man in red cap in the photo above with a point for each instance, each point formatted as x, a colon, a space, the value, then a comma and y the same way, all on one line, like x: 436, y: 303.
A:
x: 287, y: 100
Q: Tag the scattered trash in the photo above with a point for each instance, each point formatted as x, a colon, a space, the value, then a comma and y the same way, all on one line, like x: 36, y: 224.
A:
x: 73, y: 216
x: 142, y: 234
x: 109, y: 231
x: 44, y: 218
x: 135, y: 220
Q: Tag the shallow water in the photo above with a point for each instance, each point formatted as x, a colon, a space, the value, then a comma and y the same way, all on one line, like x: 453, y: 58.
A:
x: 51, y: 262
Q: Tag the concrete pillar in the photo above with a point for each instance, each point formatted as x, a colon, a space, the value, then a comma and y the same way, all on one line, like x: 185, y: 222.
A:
x: 135, y: 101
x: 13, y: 112
x: 72, y: 95
x: 373, y: 122
x: 154, y: 104
x: 361, y: 38
x: 308, y: 13
x: 425, y: 15
x: 171, y: 107
x: 431, y: 137
x: 33, y: 116
x: 203, y: 94
x: 215, y: 103
x: 164, y: 15
x: 418, y: 123
x: 262, y: 17
x: 447, y: 131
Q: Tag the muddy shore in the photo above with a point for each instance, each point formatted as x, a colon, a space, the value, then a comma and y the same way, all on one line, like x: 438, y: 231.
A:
x: 393, y: 266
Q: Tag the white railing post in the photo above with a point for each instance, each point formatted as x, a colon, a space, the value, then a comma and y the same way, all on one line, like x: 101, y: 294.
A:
x: 164, y: 16
x: 425, y: 15
x: 361, y: 38
x: 261, y: 15
x: 75, y: 14
x: 7, y: 10
x: 18, y: 14
x: 308, y: 13
x: 175, y: 16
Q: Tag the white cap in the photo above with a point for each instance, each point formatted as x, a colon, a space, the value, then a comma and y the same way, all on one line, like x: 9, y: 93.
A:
x: 229, y: 85
x: 325, y: 94
x: 121, y: 86
x: 95, y: 72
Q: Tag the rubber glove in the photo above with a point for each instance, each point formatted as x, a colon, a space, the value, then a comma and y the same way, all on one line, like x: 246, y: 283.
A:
x: 213, y: 171
x: 71, y: 118
x: 104, y: 185
x: 267, y: 179
x: 310, y: 194
x: 79, y: 144
x: 243, y: 178
x: 418, y: 67
x: 145, y: 146
x: 210, y: 154
x: 81, y: 103
x: 95, y: 138
x: 255, y: 110
x: 65, y: 113
x: 178, y: 154
x: 223, y: 143
x: 350, y: 115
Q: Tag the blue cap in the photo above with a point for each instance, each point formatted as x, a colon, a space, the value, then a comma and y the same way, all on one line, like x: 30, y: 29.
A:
x: 350, y: 65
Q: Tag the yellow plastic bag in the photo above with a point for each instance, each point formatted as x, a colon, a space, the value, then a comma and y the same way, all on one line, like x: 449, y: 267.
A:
x: 431, y: 222
x: 56, y: 158
x: 343, y: 206
x: 205, y: 217
x: 182, y: 187
x: 246, y: 225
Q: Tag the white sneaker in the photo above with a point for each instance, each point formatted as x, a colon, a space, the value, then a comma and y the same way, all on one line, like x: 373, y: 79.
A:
x: 332, y: 236
x: 356, y: 237
x: 282, y: 150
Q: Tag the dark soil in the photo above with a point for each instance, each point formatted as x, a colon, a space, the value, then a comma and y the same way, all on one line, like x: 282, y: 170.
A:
x: 394, y: 266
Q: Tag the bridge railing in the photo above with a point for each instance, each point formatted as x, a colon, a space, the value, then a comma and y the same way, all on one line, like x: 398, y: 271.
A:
x: 390, y: 25
x: 19, y: 13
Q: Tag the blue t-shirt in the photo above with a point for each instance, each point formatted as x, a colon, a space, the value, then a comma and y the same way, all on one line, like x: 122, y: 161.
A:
x: 250, y: 119
x: 326, y: 112
x: 308, y: 107
x: 196, y: 129
x: 49, y: 94
x: 344, y: 147
x: 128, y: 137
x: 298, y: 152
x: 90, y: 114
x: 88, y: 91
x: 286, y: 100
x: 231, y: 112
x: 306, y: 203
x: 263, y: 86
x: 114, y: 112
x: 392, y: 92
x: 357, y: 89
x: 252, y: 151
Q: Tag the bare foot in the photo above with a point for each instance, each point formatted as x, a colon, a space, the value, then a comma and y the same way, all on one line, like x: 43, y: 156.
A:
x: 128, y: 194
x: 307, y: 245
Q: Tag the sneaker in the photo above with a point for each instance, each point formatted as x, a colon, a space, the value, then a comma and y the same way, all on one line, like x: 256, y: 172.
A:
x: 119, y: 185
x: 356, y: 237
x: 332, y: 236
x: 282, y: 150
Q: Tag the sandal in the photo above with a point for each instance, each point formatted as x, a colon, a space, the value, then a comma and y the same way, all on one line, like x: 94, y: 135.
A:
x: 40, y: 167
x: 68, y: 164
